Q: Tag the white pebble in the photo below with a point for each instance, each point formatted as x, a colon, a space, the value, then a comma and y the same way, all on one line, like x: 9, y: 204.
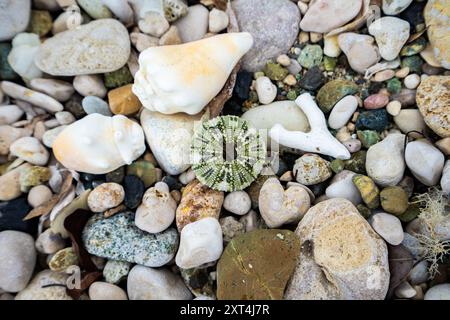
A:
x: 64, y: 117
x: 342, y: 112
x: 154, y: 24
x: 303, y: 7
x: 266, y: 90
x: 58, y: 89
x: 405, y: 291
x: 187, y: 176
x: 49, y: 242
x: 90, y: 85
x: 200, y: 242
x: 237, y: 202
x: 425, y: 161
x: 388, y: 227
x: 10, y: 114
x: 438, y: 292
x: 412, y: 81
x: 218, y: 20
x: 284, y: 60
x: 39, y: 195
x: 394, y: 107
x: 106, y: 291
x: 31, y: 150
x: 50, y: 135
x: 105, y: 196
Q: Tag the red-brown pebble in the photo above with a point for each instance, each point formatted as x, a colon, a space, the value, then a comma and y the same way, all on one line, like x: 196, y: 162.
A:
x: 376, y: 101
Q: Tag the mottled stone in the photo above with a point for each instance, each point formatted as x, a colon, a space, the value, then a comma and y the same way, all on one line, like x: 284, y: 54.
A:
x: 63, y: 259
x: 257, y: 265
x: 311, y: 169
x: 339, y: 256
x: 334, y: 91
x: 368, y: 189
x: 436, y: 14
x: 118, y: 238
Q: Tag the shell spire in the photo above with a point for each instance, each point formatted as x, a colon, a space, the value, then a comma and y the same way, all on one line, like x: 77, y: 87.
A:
x: 186, y: 77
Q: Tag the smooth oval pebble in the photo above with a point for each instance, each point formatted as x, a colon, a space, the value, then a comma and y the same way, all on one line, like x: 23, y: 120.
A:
x: 237, y: 202
x: 388, y: 227
x: 58, y: 89
x: 106, y: 291
x: 39, y: 195
x: 90, y: 85
x: 376, y: 101
x: 31, y: 150
x: 93, y: 104
x: 106, y: 196
x: 342, y: 112
x: 10, y: 114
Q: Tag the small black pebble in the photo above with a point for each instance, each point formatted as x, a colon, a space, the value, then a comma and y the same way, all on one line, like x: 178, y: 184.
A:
x: 243, y: 82
x: 134, y: 191
x: 12, y: 214
x: 116, y: 175
x: 172, y: 182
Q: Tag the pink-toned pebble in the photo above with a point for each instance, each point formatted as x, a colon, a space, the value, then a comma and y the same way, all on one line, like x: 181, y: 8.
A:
x: 352, y: 145
x: 376, y: 101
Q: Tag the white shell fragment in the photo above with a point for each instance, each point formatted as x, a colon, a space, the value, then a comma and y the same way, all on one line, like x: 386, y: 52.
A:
x: 318, y: 140
x: 186, y: 77
x: 99, y: 144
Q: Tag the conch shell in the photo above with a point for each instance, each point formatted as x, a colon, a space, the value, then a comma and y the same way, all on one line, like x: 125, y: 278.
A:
x: 99, y: 144
x: 186, y: 77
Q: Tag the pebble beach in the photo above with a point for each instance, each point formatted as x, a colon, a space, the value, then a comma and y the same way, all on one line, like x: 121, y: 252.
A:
x: 224, y: 150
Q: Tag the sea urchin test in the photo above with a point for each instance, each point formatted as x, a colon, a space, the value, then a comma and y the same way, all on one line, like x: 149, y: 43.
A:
x: 186, y: 77
x: 99, y: 144
x: 227, y: 153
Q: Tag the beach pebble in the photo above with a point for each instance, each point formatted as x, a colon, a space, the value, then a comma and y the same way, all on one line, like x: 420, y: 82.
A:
x: 174, y: 9
x: 106, y: 291
x: 194, y: 25
x: 25, y: 47
x: 274, y: 25
x: 171, y: 37
x: 10, y: 183
x: 445, y: 180
x: 187, y: 177
x: 123, y: 101
x: 35, y: 98
x: 436, y: 21
x: 10, y: 114
x: 376, y: 101
x: 145, y: 283
x: 109, y: 48
x: 266, y: 90
x: 111, y: 237
x: 64, y: 117
x: 311, y: 169
x: 352, y: 145
x: 49, y: 242
x: 198, y: 201
x: 394, y: 7
x: 114, y: 271
x: 218, y: 20
x: 17, y: 260
x: 419, y: 274
x: 333, y: 91
x: 154, y: 24
x: 369, y: 191
x: 331, y: 46
x: 425, y: 161
x: 405, y: 291
x: 341, y: 186
x: 58, y: 89
x: 200, y: 243
x: 279, y: 206
x: 408, y: 120
x: 157, y: 211
x: 46, y: 285
x: 325, y: 15
x: 388, y: 227
x: 360, y: 50
x: 384, y: 75
x: 50, y: 135
x: 14, y: 18
x: 394, y: 200
x: 393, y: 108
x: 89, y: 85
x: 384, y: 161
x: 93, y: 104
x: 237, y: 202
x: 143, y: 41
x: 438, y: 292
x: 433, y: 101
x: 335, y: 225
x: 342, y: 112
x: 39, y: 195
x: 412, y: 81
x: 169, y: 137
x: 391, y: 33
x: 30, y: 150
x: 231, y: 228
x: 106, y: 196
x: 63, y: 259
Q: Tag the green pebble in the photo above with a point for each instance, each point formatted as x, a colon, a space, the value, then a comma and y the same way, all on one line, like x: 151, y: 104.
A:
x: 368, y: 189
x: 411, y: 213
x: 357, y: 163
x: 368, y: 137
x: 40, y: 22
x: 415, y: 47
x: 144, y: 170
x: 394, y: 86
x: 414, y: 63
x: 364, y: 210
x: 337, y: 165
x: 275, y: 71
x: 33, y: 176
x: 329, y: 63
x: 292, y: 95
x: 334, y: 91
x: 6, y: 72
x: 394, y: 200
x: 118, y: 78
x: 310, y: 56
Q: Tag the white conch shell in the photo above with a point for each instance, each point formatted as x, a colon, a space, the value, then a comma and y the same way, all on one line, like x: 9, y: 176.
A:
x: 99, y: 144
x: 186, y: 77
x: 318, y: 140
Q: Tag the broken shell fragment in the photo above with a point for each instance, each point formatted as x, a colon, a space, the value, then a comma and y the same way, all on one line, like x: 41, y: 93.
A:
x: 186, y: 77
x: 99, y: 144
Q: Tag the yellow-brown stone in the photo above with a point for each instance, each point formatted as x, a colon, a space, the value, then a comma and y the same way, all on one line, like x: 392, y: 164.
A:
x: 123, y: 101
x: 437, y: 16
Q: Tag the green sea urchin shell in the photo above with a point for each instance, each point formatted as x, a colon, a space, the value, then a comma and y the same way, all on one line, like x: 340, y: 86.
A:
x: 227, y: 153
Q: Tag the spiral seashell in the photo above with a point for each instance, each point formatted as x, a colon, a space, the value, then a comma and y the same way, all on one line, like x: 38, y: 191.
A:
x: 186, y: 77
x: 99, y: 144
x: 227, y: 153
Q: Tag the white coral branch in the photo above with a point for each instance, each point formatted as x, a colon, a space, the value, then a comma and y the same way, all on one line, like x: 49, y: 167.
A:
x: 318, y: 140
